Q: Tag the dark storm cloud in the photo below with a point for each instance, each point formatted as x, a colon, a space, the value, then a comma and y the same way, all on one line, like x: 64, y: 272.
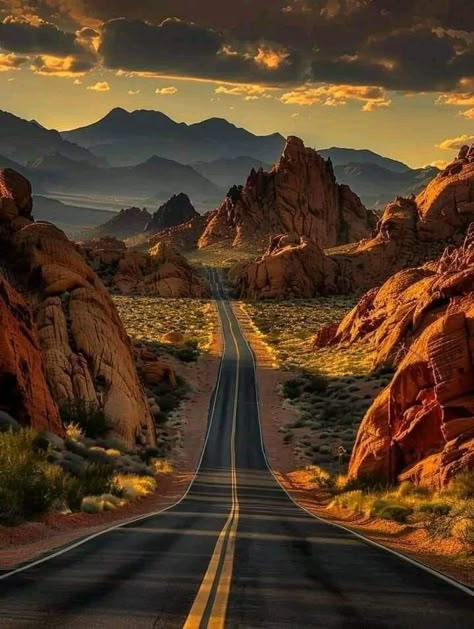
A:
x: 177, y: 47
x: 397, y: 44
x: 22, y: 36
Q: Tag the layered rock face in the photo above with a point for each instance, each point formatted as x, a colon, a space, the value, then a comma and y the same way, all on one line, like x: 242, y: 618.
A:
x: 299, y: 195
x: 24, y: 392
x: 183, y: 237
x: 422, y: 320
x: 162, y: 272
x: 176, y: 211
x: 85, y: 350
x: 292, y: 266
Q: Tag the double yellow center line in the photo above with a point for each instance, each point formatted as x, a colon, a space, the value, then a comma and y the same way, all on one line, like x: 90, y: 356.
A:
x: 210, y: 605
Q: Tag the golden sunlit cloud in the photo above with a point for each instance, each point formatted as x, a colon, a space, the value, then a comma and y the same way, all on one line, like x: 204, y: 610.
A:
x: 336, y: 95
x: 166, y: 91
x: 454, y: 144
x: 100, y: 86
x: 439, y: 163
x: 77, y: 82
x: 249, y: 92
x: 49, y: 65
x: 133, y: 92
x: 463, y: 99
x: 269, y: 58
x: 469, y: 114
x: 10, y: 62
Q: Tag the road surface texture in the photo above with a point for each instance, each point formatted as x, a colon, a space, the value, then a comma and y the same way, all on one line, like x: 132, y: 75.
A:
x: 235, y: 552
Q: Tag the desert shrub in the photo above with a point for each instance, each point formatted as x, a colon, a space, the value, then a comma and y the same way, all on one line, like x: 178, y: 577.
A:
x: 74, y: 431
x: 355, y: 501
x: 315, y: 384
x: 168, y: 402
x: 463, y: 485
x: 29, y: 484
x: 87, y: 416
x: 131, y: 486
x: 321, y: 478
x: 97, y: 479
x: 436, y: 508
x: 162, y: 466
x: 385, y: 510
x: 291, y: 389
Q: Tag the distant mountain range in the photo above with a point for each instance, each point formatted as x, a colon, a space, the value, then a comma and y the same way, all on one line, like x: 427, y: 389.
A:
x: 71, y: 219
x: 24, y: 141
x: 126, y: 138
x: 144, y: 158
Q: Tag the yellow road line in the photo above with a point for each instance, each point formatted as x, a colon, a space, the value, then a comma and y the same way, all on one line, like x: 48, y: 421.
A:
x: 223, y: 554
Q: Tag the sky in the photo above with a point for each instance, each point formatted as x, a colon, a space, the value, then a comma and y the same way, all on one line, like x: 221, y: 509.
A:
x: 395, y: 76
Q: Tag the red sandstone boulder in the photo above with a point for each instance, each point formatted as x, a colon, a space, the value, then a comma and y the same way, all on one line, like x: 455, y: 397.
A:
x: 24, y: 392
x: 292, y: 266
x: 422, y: 320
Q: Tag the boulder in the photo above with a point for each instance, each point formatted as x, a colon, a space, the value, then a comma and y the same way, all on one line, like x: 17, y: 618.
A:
x: 86, y: 351
x: 421, y: 427
x: 293, y: 266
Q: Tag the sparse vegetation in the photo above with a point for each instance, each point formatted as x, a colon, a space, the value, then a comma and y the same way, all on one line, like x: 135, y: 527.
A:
x: 40, y: 472
x: 84, y: 417
x: 149, y: 319
x: 335, y: 385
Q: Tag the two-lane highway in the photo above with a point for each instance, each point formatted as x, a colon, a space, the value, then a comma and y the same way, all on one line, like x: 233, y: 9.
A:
x: 236, y: 551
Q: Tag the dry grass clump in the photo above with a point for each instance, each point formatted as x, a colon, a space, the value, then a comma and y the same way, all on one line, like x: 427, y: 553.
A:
x: 445, y: 513
x: 131, y: 486
x: 148, y: 319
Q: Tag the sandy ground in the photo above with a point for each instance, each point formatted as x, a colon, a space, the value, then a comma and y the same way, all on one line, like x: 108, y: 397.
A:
x: 30, y: 540
x: 407, y: 540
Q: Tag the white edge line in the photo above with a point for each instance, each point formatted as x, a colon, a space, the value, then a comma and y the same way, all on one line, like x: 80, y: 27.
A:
x: 89, y: 538
x: 457, y: 584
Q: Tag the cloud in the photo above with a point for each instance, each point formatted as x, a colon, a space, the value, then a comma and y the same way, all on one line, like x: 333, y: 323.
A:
x: 166, y: 91
x: 270, y: 58
x: 463, y: 99
x: 469, y: 114
x: 100, y: 86
x: 439, y: 163
x: 21, y: 35
x: 454, y: 144
x: 248, y: 92
x: 133, y: 92
x: 372, y: 97
x: 11, y: 62
x: 50, y: 65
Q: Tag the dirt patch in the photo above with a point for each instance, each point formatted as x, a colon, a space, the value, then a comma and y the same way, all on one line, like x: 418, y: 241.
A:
x: 30, y: 540
x: 410, y: 541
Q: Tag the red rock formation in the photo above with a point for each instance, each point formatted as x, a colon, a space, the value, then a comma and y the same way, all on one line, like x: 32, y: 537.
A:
x: 24, y: 392
x: 292, y: 266
x: 422, y: 426
x: 299, y: 195
x: 86, y: 351
x: 183, y: 237
x: 127, y: 223
x: 162, y: 272
x: 174, y: 212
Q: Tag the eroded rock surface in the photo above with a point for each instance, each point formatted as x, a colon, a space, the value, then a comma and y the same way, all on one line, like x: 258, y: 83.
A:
x: 24, y: 392
x: 162, y: 271
x: 292, y: 266
x: 299, y: 195
x: 175, y: 211
x: 421, y: 320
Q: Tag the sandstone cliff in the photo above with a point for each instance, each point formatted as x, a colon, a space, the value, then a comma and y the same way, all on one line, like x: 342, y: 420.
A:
x: 299, y: 195
x: 85, y: 350
x: 422, y: 320
x: 162, y: 271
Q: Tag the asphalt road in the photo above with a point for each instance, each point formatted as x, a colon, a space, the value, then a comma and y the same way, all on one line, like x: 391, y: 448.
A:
x: 235, y: 552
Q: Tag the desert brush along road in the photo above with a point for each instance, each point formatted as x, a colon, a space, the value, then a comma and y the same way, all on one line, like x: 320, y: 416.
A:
x: 236, y: 551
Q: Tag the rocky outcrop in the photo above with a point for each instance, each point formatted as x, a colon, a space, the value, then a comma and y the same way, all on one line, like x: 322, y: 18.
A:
x: 293, y: 266
x: 162, y: 271
x: 125, y: 224
x: 421, y: 320
x: 85, y: 351
x: 24, y: 392
x: 175, y: 211
x: 183, y: 237
x: 299, y: 195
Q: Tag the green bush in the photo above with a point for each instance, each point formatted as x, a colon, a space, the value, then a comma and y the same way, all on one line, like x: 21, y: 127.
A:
x: 463, y: 485
x: 390, y: 511
x: 291, y: 389
x: 87, y: 415
x: 434, y: 508
x: 29, y: 485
